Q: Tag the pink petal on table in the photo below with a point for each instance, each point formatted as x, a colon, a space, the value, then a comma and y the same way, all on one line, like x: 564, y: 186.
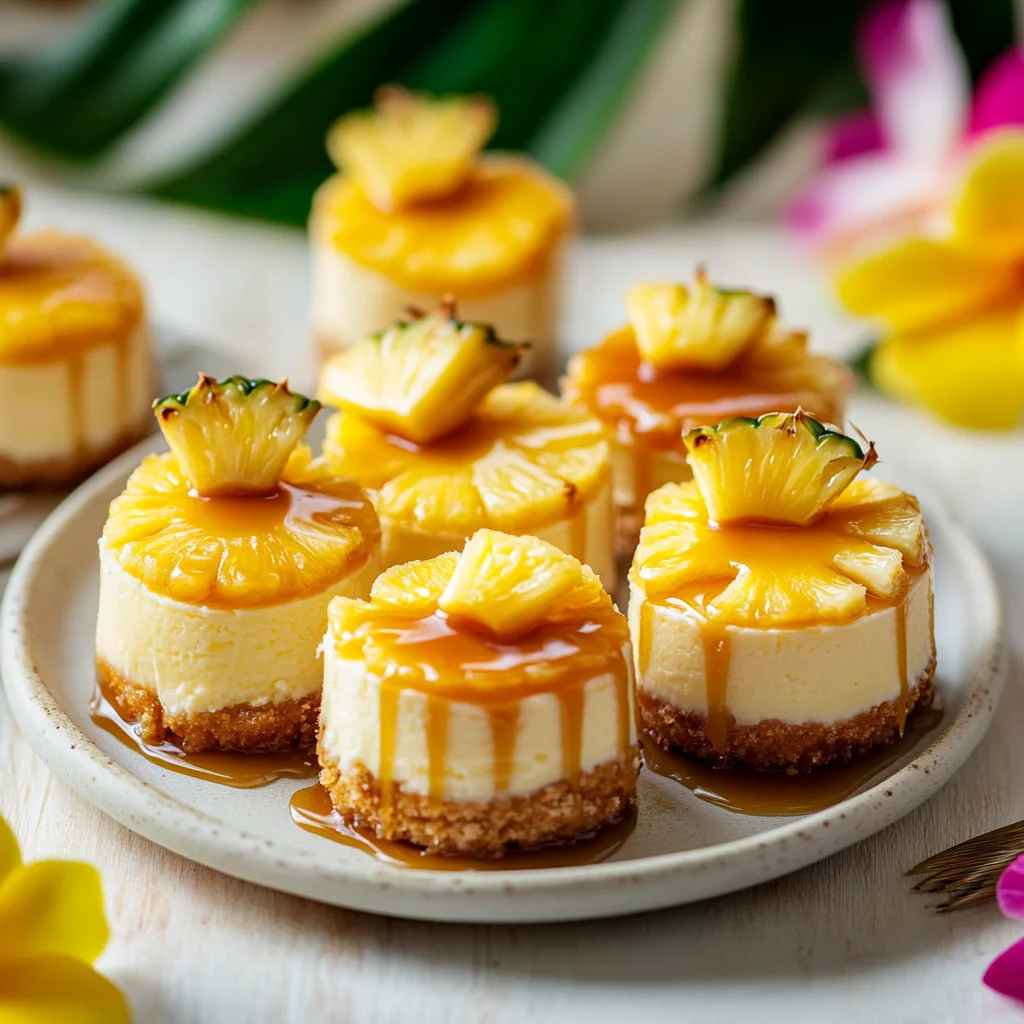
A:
x: 999, y: 97
x: 1005, y: 974
x: 1010, y: 891
x: 916, y: 74
x: 852, y: 135
x: 858, y: 194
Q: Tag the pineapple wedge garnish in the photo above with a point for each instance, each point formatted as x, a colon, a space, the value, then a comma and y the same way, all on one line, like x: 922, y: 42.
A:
x: 10, y: 212
x: 413, y: 588
x: 412, y: 148
x: 781, y: 468
x: 701, y: 327
x: 420, y: 378
x: 234, y: 437
x: 506, y: 586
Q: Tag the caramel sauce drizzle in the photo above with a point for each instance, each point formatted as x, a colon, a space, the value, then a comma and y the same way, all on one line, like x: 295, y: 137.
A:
x: 450, y: 663
x: 715, y: 641
x: 902, y: 613
x: 311, y: 810
x: 578, y: 532
x: 235, y: 769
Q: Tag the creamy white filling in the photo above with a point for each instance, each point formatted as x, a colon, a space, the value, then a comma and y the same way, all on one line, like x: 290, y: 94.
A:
x: 350, y: 301
x: 37, y: 422
x: 814, y: 674
x: 400, y: 544
x: 660, y: 467
x: 350, y: 734
x: 200, y: 659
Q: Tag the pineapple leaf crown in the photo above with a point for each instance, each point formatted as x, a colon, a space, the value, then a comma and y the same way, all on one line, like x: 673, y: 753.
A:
x: 780, y: 467
x: 10, y: 212
x: 234, y: 437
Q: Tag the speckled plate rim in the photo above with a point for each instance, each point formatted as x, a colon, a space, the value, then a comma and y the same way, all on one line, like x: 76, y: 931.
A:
x: 562, y: 894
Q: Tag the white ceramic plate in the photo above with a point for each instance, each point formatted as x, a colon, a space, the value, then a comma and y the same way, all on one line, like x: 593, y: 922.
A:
x: 682, y: 850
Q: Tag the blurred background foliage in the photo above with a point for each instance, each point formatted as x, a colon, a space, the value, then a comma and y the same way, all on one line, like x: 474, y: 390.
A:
x: 561, y: 71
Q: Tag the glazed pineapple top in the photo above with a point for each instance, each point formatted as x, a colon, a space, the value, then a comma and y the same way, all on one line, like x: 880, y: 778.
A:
x: 239, y: 513
x: 417, y: 202
x: 775, y: 531
x: 57, y: 293
x: 693, y: 355
x: 509, y: 617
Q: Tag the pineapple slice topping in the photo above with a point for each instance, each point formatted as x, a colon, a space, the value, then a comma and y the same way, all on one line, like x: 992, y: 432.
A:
x: 234, y: 437
x: 524, y: 461
x: 10, y: 212
x: 506, y: 585
x: 781, y: 468
x: 768, y: 576
x: 421, y: 378
x: 412, y: 148
x: 702, y: 327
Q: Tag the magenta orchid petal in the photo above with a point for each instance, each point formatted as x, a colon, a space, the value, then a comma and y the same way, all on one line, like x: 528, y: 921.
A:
x: 1005, y: 974
x: 999, y: 97
x: 853, y: 134
x: 857, y: 193
x: 1010, y: 891
x: 917, y: 76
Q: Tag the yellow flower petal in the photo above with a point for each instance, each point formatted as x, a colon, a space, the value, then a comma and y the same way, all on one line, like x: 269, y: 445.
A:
x: 971, y: 373
x: 920, y: 283
x: 58, y: 990
x: 10, y: 855
x: 988, y: 209
x: 52, y: 907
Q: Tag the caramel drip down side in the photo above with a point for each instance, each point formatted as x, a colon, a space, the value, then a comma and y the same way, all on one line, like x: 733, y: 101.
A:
x: 504, y: 726
x: 578, y: 532
x: 715, y: 641
x: 646, y: 631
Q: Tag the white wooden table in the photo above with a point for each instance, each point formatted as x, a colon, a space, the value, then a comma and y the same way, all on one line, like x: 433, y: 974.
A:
x: 843, y: 940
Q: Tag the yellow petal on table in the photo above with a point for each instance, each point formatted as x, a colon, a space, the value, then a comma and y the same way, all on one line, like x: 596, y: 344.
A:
x: 52, y: 907
x: 988, y: 208
x: 10, y: 855
x: 58, y: 990
x: 971, y: 374
x: 920, y: 283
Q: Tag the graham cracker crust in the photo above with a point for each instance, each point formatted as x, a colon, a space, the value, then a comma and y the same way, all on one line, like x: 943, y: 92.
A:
x: 67, y: 470
x: 558, y: 812
x: 774, y: 744
x: 287, y: 725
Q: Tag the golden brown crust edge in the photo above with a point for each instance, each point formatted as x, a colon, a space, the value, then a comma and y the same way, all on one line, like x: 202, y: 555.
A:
x: 69, y: 469
x: 775, y: 744
x: 286, y: 725
x: 558, y: 812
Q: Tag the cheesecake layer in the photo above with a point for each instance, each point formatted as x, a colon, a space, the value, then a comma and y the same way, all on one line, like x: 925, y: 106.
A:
x: 75, y: 405
x: 198, y: 659
x: 351, y: 301
x: 823, y: 674
x: 350, y: 735
x: 586, y: 536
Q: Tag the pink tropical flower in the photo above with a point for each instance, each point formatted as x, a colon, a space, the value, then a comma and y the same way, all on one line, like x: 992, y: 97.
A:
x: 888, y: 169
x: 1006, y: 973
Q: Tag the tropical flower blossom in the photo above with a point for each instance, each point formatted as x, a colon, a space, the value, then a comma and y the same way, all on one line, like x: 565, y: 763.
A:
x: 1006, y: 973
x: 52, y: 928
x: 919, y: 213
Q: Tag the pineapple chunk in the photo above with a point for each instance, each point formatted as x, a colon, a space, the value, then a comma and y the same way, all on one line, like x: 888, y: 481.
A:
x: 880, y: 512
x: 508, y: 585
x: 10, y: 212
x: 781, y: 468
x: 422, y: 378
x: 412, y: 148
x: 235, y: 436
x: 698, y: 328
x: 414, y: 588
x: 791, y: 598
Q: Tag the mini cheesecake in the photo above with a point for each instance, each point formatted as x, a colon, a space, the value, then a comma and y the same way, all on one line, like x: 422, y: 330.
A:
x: 75, y: 360
x: 217, y: 564
x: 781, y: 610
x: 445, y: 449
x: 690, y: 357
x: 480, y: 702
x: 416, y: 212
